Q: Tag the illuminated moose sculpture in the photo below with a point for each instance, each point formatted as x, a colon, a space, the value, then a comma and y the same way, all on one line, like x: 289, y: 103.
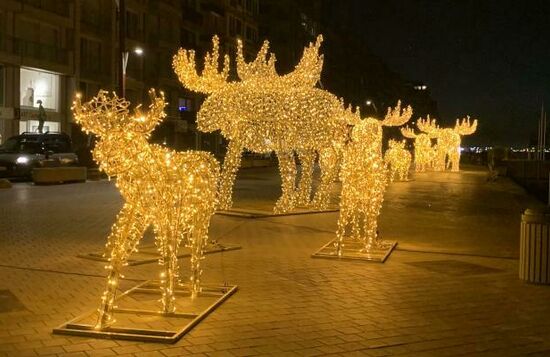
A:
x: 448, y: 141
x: 265, y: 112
x: 174, y: 192
x: 398, y: 160
x: 424, y: 152
x: 364, y: 179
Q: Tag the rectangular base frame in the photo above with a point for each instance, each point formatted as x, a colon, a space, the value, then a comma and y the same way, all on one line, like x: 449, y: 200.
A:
x: 252, y: 213
x: 352, y: 251
x: 149, y: 254
x: 137, y: 318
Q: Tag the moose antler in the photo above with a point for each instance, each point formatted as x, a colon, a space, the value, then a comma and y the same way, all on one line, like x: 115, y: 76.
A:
x: 408, y: 132
x: 261, y: 68
x: 464, y: 127
x: 396, y: 116
x: 101, y: 113
x: 308, y: 71
x: 211, y: 79
x: 427, y: 125
x: 104, y: 113
x: 351, y: 117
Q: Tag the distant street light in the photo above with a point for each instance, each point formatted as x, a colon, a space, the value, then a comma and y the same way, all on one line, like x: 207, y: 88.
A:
x: 139, y: 52
x: 370, y: 103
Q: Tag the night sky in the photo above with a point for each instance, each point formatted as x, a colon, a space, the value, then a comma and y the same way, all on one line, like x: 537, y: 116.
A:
x: 489, y: 59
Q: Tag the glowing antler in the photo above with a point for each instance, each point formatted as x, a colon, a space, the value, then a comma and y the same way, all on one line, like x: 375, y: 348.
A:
x: 261, y: 68
x: 308, y: 70
x: 464, y: 127
x: 396, y: 116
x: 408, y: 132
x: 101, y: 113
x: 211, y: 79
x: 427, y: 125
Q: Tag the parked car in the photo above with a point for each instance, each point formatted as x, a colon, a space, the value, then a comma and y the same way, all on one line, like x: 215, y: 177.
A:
x: 22, y: 153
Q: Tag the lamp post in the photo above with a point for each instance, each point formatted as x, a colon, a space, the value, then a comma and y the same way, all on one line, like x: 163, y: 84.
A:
x: 370, y: 103
x: 125, y: 54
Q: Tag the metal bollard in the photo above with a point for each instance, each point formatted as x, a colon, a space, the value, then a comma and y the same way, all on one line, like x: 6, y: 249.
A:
x: 534, y: 249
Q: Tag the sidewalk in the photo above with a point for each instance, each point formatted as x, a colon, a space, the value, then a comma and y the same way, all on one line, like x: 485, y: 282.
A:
x: 421, y: 302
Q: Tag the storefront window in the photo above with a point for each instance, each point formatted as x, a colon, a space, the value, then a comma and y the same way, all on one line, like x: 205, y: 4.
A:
x: 37, y: 85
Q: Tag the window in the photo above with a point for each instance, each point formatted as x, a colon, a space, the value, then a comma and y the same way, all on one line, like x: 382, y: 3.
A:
x: 185, y: 104
x: 90, y: 56
x: 37, y: 85
x: 132, y: 25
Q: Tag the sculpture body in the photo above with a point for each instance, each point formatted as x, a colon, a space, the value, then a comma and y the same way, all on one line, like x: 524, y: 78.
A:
x: 448, y: 141
x: 398, y: 160
x: 364, y: 179
x: 173, y: 192
x: 424, y: 152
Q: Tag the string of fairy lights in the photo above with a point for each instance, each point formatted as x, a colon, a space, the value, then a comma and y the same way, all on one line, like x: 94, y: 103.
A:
x: 263, y: 111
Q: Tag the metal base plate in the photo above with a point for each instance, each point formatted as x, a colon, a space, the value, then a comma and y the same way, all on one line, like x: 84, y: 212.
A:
x: 137, y: 316
x: 149, y: 254
x: 252, y: 213
x: 353, y: 251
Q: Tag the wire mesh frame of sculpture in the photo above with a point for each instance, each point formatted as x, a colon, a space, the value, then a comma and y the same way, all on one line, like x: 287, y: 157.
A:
x: 174, y: 192
x: 448, y: 141
x: 398, y: 160
x: 364, y: 180
x: 265, y: 112
x: 424, y: 152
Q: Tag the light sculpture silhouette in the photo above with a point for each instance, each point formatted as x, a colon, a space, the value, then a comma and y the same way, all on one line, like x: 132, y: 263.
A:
x: 174, y: 192
x: 398, y: 160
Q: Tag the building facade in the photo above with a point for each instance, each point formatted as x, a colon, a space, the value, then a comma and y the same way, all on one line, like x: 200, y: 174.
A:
x: 50, y: 49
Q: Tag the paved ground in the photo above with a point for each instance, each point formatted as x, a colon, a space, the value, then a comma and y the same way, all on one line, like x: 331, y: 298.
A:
x: 450, y: 289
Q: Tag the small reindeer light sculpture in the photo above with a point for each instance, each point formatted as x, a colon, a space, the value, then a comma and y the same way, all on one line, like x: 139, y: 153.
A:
x: 398, y: 160
x: 448, y: 141
x: 424, y: 152
x: 364, y: 179
x: 174, y: 192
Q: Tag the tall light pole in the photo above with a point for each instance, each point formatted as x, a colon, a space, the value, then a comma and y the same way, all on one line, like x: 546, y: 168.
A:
x: 370, y: 103
x: 123, y: 58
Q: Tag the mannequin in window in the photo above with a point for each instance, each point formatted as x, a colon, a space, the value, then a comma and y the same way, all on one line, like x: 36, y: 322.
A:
x: 41, y: 116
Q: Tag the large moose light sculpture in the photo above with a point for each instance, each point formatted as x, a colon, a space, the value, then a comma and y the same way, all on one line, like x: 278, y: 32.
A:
x: 398, y: 160
x: 175, y: 192
x: 266, y: 112
x: 448, y: 141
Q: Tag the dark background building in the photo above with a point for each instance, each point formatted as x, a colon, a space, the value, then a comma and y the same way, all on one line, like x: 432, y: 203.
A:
x: 49, y: 49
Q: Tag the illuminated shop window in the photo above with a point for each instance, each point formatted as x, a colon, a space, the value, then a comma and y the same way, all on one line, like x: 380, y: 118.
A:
x: 37, y: 85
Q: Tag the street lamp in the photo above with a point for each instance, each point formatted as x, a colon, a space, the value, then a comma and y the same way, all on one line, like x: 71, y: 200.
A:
x: 139, y: 52
x: 370, y: 103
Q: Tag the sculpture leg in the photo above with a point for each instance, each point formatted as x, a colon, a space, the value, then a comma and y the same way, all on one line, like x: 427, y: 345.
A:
x: 328, y: 162
x: 307, y: 158
x: 123, y: 240
x: 169, y: 274
x: 197, y: 243
x: 231, y: 165
x: 343, y: 222
x: 455, y: 161
x: 287, y: 167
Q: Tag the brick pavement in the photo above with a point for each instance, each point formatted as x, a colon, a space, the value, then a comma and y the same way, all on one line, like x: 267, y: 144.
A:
x: 419, y: 303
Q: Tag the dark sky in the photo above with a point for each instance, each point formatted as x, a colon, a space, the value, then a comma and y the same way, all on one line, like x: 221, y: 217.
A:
x: 489, y: 59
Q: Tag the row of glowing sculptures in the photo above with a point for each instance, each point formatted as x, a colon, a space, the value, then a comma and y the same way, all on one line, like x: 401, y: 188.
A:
x: 445, y: 153
x: 178, y: 192
x: 266, y: 112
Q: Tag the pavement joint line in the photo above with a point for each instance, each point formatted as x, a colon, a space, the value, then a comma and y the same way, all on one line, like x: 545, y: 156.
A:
x: 63, y: 272
x: 298, y: 225
x: 455, y: 253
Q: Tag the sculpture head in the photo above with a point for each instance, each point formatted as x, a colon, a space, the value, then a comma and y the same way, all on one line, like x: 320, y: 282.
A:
x: 120, y: 133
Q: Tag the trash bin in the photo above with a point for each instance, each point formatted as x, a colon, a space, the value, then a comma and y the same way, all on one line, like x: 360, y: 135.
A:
x: 534, y: 265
